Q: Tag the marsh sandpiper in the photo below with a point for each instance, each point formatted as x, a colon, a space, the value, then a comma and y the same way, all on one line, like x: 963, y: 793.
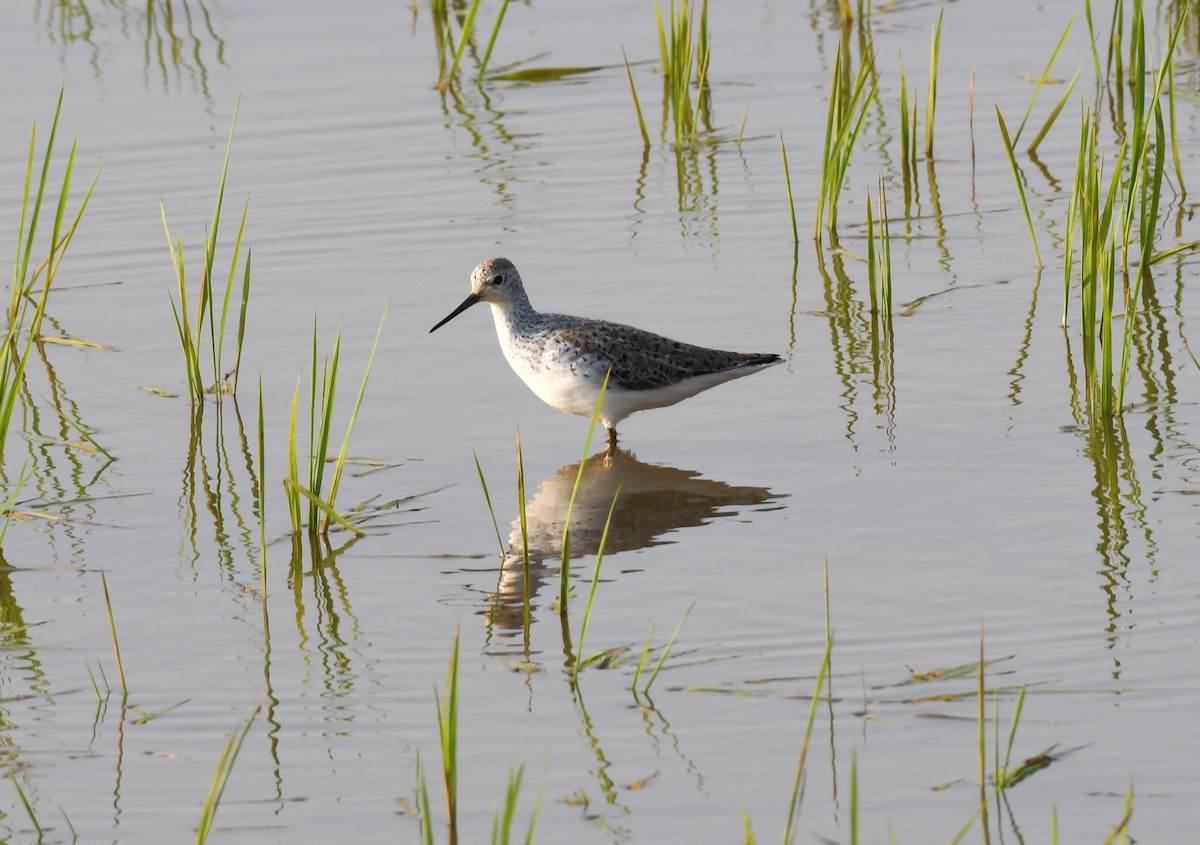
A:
x: 564, y: 359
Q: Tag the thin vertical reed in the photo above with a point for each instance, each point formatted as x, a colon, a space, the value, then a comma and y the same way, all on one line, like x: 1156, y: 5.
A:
x: 1016, y: 171
x: 787, y: 175
x: 447, y: 713
x: 208, y: 812
x: 112, y: 627
x: 935, y: 49
x: 565, y: 573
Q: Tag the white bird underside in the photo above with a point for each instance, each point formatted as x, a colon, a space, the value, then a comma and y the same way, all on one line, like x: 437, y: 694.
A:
x: 564, y: 363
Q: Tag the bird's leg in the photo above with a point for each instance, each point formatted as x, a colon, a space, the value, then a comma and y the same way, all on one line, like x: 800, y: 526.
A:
x: 612, y: 440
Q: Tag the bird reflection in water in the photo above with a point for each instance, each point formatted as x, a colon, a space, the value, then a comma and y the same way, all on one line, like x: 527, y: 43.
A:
x: 653, y: 501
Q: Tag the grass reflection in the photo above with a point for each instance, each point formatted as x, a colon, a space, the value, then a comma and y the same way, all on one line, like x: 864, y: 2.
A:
x: 180, y: 38
x: 863, y: 344
x: 220, y: 480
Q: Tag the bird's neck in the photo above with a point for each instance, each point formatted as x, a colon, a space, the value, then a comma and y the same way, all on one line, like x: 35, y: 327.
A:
x: 515, y: 317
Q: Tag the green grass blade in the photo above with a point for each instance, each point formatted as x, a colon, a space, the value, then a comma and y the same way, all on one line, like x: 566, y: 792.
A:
x: 208, y: 812
x: 587, y: 613
x: 1174, y: 133
x: 362, y: 390
x: 1053, y: 116
x: 1016, y: 171
x: 241, y: 332
x: 641, y: 665
x: 787, y: 176
x: 219, y: 340
x: 210, y: 248
x: 488, y: 498
x: 789, y: 831
x: 1042, y: 79
x: 293, y: 476
x: 487, y: 54
x: 637, y: 106
x: 1003, y: 768
x: 463, y: 38
x: 662, y: 658
x: 447, y: 711
x: 22, y: 285
x: 112, y: 627
x: 931, y: 99
x: 1120, y: 833
x: 565, y: 575
x: 11, y: 500
x: 523, y: 519
x: 28, y: 807
x: 262, y: 492
x: 423, y: 804
x: 74, y: 225
x: 323, y: 507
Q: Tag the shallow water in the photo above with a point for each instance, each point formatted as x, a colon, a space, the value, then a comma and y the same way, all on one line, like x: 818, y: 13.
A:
x: 950, y: 482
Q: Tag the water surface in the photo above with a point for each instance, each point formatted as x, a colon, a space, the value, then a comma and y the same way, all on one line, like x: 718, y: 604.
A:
x: 950, y: 481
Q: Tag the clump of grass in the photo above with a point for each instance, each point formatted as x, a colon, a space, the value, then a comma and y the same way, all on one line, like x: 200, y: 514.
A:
x: 850, y: 94
x: 443, y: 33
x: 1102, y: 224
x: 192, y: 337
x: 24, y: 278
x: 682, y: 52
x: 1090, y: 230
x: 13, y: 353
x: 322, y: 393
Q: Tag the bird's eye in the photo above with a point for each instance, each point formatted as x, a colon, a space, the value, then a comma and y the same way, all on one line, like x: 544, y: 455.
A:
x: 497, y: 281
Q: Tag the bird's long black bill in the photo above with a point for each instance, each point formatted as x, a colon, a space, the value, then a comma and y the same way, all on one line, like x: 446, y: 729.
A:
x: 466, y: 303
